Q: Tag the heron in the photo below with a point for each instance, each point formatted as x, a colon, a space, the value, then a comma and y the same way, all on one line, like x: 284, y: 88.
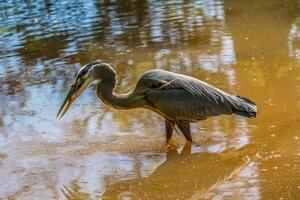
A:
x: 179, y: 99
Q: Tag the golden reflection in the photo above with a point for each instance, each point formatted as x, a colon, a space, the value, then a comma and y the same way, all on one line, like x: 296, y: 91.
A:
x: 184, y: 175
x: 246, y: 47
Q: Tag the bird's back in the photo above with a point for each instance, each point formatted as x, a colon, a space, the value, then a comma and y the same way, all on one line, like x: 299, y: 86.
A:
x: 186, y: 98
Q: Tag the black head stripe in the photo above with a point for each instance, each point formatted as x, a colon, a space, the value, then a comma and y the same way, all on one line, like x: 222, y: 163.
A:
x: 86, y: 68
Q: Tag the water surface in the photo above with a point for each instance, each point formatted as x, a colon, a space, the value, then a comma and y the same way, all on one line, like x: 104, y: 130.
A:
x: 251, y: 48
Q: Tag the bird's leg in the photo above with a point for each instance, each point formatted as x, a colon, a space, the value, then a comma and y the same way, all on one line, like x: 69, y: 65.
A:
x: 184, y: 126
x: 187, y: 149
x: 171, y: 144
x: 169, y: 124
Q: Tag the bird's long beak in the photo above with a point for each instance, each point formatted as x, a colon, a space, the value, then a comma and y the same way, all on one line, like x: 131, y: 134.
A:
x: 67, y: 102
x: 75, y: 90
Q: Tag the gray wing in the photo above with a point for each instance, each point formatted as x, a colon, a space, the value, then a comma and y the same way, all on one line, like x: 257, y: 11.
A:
x: 185, y: 98
x: 183, y: 105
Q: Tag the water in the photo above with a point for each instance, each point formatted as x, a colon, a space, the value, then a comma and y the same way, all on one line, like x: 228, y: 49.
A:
x: 247, y: 47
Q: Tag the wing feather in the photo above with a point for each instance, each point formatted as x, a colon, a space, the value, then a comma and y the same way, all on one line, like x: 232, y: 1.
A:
x: 186, y: 98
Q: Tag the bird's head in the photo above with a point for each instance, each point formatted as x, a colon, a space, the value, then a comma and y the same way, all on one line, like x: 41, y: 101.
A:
x: 85, y: 77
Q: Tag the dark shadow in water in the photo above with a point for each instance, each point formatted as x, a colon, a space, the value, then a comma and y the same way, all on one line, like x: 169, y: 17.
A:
x: 181, y: 176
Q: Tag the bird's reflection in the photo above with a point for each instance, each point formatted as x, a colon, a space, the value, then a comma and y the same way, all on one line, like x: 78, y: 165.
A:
x: 184, y: 175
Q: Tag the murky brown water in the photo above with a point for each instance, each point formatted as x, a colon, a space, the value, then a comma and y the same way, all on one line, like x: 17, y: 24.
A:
x: 247, y: 47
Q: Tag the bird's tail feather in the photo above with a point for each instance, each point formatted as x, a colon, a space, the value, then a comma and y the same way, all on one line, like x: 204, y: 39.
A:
x: 247, y: 108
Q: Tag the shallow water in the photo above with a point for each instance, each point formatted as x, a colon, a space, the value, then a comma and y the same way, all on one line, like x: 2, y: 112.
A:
x: 249, y: 48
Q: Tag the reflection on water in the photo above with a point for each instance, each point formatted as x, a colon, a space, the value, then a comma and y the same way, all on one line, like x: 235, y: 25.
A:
x: 183, y: 176
x: 245, y: 47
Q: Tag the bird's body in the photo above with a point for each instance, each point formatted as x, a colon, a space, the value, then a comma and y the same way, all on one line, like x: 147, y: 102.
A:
x: 179, y: 99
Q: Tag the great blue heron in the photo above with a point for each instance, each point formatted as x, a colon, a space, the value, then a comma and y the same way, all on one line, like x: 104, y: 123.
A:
x: 179, y: 99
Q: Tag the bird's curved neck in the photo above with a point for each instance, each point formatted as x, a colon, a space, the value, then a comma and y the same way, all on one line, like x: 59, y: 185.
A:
x: 105, y: 91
